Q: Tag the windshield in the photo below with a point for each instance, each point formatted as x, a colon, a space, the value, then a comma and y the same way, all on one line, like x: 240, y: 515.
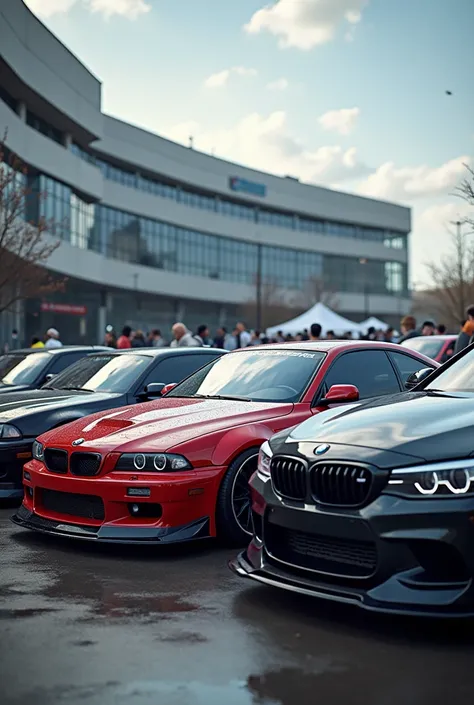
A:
x: 258, y: 375
x: 23, y: 368
x: 102, y: 373
x: 425, y: 345
x: 458, y: 377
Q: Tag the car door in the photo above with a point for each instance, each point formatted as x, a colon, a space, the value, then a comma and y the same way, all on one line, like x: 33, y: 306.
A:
x: 175, y: 368
x: 369, y: 370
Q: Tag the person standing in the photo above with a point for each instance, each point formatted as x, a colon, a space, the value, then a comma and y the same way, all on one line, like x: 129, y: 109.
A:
x: 428, y: 328
x: 243, y: 337
x: 467, y: 331
x: 202, y: 336
x: 408, y: 329
x: 138, y: 340
x: 52, y: 341
x: 182, y: 337
x: 124, y: 342
x: 315, y: 333
x: 36, y: 343
x: 155, y: 339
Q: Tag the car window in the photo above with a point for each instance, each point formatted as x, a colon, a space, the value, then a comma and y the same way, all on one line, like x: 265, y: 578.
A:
x: 457, y: 377
x: 103, y: 373
x: 369, y: 370
x: 64, y: 360
x: 266, y: 375
x: 407, y: 365
x: 426, y: 345
x: 176, y: 367
x: 22, y: 369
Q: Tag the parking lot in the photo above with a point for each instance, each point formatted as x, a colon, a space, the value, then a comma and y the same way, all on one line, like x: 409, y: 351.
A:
x: 113, y: 626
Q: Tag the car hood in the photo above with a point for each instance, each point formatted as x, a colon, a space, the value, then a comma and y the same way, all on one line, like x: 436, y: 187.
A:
x: 12, y: 388
x: 427, y: 427
x: 163, y: 424
x: 17, y: 405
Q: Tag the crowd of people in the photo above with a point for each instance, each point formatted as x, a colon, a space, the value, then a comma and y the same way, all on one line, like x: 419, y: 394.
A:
x: 241, y: 337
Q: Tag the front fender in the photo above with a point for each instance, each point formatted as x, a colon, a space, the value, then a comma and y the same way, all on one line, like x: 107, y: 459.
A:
x: 237, y: 440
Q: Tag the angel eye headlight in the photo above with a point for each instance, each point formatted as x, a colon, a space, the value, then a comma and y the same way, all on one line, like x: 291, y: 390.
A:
x: 152, y: 462
x: 447, y: 479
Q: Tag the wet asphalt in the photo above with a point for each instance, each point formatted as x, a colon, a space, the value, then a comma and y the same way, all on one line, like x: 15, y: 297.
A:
x: 113, y: 626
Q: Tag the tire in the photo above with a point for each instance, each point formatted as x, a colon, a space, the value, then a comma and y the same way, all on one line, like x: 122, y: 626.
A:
x: 233, y: 515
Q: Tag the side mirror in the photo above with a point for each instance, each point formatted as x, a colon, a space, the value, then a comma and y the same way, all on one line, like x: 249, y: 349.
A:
x: 168, y: 387
x: 154, y: 389
x: 416, y: 377
x: 49, y: 377
x: 340, y: 394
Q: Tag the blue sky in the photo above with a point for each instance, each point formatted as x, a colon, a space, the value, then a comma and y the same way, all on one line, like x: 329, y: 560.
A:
x: 295, y: 87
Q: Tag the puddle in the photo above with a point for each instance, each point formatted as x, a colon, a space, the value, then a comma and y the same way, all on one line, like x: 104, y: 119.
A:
x: 183, y: 638
x: 10, y: 614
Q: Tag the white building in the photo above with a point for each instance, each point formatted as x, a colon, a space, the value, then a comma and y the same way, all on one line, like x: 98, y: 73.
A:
x: 154, y: 231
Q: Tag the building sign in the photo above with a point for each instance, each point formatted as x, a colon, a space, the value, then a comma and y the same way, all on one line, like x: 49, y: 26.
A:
x: 249, y: 187
x: 64, y: 308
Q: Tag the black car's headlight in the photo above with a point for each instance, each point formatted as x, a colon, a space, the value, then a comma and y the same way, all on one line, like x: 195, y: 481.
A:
x: 448, y: 479
x: 7, y: 432
x: 264, y: 459
x: 152, y: 462
x: 38, y: 451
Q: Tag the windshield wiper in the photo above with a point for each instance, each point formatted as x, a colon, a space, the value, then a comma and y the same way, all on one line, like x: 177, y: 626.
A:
x: 233, y: 397
x: 72, y: 389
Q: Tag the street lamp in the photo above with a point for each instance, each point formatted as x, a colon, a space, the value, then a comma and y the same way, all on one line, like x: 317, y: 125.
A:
x: 363, y: 262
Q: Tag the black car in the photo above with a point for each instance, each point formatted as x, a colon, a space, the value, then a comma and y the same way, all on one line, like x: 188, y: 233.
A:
x: 101, y: 381
x: 373, y: 505
x: 32, y: 367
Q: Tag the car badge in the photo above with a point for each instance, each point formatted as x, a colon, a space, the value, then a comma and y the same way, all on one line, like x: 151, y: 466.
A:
x: 320, y: 450
x: 78, y: 441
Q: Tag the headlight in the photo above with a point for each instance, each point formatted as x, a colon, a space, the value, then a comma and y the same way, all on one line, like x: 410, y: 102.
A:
x: 38, y: 451
x: 264, y: 459
x: 7, y: 431
x: 435, y: 480
x: 152, y: 462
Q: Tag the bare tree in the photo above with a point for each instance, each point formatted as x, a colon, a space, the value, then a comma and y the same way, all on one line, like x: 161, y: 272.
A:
x: 24, y: 247
x: 466, y: 191
x: 277, y: 305
x: 317, y: 290
x: 453, y: 277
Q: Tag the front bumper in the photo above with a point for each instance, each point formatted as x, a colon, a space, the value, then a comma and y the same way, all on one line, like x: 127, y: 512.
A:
x: 13, y: 455
x: 180, y: 506
x: 423, y: 563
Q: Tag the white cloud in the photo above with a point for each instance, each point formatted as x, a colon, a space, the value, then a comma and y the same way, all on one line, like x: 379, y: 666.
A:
x: 265, y: 142
x: 342, y: 121
x: 305, y: 23
x: 130, y: 9
x: 221, y: 78
x: 281, y: 84
x: 407, y: 183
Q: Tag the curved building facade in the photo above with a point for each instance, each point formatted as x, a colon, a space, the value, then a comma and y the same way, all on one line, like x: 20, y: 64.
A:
x: 152, y: 231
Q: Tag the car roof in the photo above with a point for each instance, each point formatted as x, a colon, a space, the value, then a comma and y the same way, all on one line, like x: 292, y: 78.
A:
x: 326, y: 346
x: 154, y: 352
x: 57, y: 351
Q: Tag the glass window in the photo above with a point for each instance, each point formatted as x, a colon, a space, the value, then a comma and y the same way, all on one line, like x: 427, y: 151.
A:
x: 458, y: 377
x: 22, y: 369
x: 406, y: 365
x: 426, y: 345
x: 263, y: 375
x: 103, y: 373
x: 369, y: 370
x: 177, y: 367
x: 63, y: 360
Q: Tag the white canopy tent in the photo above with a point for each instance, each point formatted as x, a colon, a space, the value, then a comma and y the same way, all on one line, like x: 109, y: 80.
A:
x: 373, y: 322
x: 319, y: 313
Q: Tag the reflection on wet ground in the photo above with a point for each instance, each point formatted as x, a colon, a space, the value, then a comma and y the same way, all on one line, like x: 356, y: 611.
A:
x: 84, y: 624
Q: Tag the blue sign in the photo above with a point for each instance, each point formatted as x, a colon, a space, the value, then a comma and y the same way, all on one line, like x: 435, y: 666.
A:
x: 250, y: 187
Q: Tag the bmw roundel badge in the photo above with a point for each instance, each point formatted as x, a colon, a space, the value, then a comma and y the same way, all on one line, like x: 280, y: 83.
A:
x: 78, y: 442
x: 320, y: 450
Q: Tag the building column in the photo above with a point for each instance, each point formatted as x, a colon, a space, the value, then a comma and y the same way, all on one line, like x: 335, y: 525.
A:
x: 67, y: 140
x: 102, y: 317
x: 21, y: 110
x: 222, y: 315
x: 180, y: 311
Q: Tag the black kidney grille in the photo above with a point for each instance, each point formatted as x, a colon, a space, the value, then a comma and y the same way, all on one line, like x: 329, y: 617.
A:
x: 78, y: 505
x: 340, y: 484
x: 56, y: 460
x: 289, y: 477
x: 85, y: 464
x: 326, y: 554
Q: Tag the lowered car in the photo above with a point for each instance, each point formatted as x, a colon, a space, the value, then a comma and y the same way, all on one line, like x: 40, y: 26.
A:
x: 179, y: 469
x: 374, y: 505
x: 103, y: 380
x: 31, y: 368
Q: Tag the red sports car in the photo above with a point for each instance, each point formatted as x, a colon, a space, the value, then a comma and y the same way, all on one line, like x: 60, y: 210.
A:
x: 178, y: 468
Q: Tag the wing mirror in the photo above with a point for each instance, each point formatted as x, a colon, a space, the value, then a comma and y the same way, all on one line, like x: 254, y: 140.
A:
x: 48, y: 378
x: 168, y: 387
x: 340, y: 394
x: 154, y: 389
x: 417, y: 377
